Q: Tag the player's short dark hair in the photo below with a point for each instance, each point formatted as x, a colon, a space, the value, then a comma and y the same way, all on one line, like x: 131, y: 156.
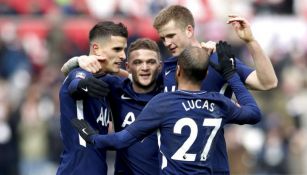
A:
x: 108, y: 29
x: 194, y: 63
x: 181, y: 15
x: 144, y: 43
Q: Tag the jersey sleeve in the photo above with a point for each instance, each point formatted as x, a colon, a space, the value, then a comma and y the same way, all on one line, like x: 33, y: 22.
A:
x: 112, y: 80
x: 243, y: 70
x: 112, y: 141
x: 148, y: 120
x: 248, y: 112
x: 73, y: 79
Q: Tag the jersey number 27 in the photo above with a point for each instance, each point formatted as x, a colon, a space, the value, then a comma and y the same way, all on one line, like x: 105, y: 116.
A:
x: 181, y: 153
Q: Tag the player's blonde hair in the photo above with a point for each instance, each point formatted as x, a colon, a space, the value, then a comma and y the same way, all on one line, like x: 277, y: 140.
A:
x: 181, y: 16
x: 144, y: 43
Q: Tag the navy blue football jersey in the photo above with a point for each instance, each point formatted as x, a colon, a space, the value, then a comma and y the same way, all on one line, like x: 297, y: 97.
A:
x: 126, y: 104
x: 213, y: 82
x: 189, y: 123
x: 79, y: 157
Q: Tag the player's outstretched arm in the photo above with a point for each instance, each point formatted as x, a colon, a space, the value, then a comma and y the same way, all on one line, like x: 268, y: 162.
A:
x: 249, y: 112
x: 116, y: 140
x: 84, y: 129
x: 264, y: 78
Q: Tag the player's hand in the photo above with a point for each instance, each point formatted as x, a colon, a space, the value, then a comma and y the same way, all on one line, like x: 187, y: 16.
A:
x: 84, y: 129
x: 242, y: 27
x: 93, y: 87
x: 91, y: 63
x: 226, y: 60
x: 210, y: 46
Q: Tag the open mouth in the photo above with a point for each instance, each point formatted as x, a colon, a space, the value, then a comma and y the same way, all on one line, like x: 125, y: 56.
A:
x: 145, y: 76
x: 118, y: 64
x: 173, y: 49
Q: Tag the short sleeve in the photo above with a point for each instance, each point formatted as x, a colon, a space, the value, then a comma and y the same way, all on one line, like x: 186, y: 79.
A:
x: 243, y: 70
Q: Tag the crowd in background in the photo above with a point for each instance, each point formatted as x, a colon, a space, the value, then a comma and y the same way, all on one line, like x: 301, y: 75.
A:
x: 38, y: 36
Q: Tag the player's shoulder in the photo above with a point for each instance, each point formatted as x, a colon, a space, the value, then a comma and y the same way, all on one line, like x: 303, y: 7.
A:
x: 79, y: 73
x: 170, y: 61
x: 166, y: 96
x: 215, y: 95
x: 163, y: 95
x: 205, y: 95
x: 112, y: 79
x: 218, y: 98
x: 213, y: 57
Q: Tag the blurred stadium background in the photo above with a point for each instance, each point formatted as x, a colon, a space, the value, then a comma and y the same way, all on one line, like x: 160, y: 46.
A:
x: 38, y: 36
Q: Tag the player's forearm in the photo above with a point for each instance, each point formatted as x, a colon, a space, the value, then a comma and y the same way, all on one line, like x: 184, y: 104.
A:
x: 116, y: 140
x: 264, y: 68
x: 122, y: 73
x: 69, y: 65
x: 249, y: 109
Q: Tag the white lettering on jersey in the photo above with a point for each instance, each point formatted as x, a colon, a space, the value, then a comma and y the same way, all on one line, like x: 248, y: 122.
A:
x: 130, y: 118
x: 172, y: 90
x: 198, y: 104
x: 103, y: 117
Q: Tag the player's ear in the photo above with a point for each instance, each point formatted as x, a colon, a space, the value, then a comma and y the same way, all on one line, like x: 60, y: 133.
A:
x: 189, y: 31
x: 95, y: 48
x: 127, y: 66
x: 177, y: 71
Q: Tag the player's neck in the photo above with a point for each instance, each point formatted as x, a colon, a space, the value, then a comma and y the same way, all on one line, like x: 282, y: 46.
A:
x: 195, y: 43
x: 188, y: 86
x: 142, y: 90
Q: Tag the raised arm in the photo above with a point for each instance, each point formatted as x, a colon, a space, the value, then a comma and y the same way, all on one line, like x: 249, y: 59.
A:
x: 249, y: 112
x: 264, y: 77
x: 89, y: 63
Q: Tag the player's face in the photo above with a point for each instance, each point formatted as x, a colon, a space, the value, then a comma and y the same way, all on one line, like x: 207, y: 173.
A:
x: 174, y: 38
x: 144, y: 65
x: 114, y: 50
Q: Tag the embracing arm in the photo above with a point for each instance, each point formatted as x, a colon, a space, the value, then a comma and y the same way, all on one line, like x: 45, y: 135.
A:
x: 90, y: 63
x: 69, y: 65
x: 264, y: 77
